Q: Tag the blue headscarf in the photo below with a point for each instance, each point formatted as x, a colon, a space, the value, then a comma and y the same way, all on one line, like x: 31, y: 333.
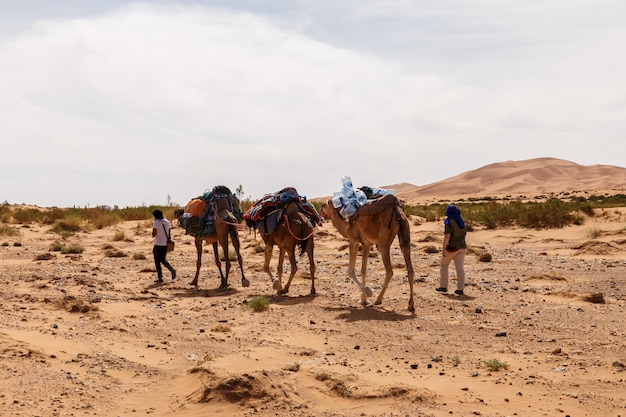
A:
x: 452, y: 212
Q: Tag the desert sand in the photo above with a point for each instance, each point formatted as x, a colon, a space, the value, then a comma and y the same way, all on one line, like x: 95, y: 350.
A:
x: 91, y: 334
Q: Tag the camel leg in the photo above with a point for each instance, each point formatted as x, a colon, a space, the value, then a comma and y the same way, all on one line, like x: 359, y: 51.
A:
x: 218, y: 263
x: 309, y: 252
x: 354, y: 249
x: 234, y: 237
x: 224, y: 245
x: 198, y: 243
x: 365, y: 255
x: 269, y: 248
x: 406, y: 251
x: 386, y: 257
x: 294, y: 267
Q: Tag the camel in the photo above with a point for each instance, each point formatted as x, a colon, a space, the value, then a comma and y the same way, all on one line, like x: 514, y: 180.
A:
x: 295, y: 228
x: 375, y: 223
x: 226, y: 224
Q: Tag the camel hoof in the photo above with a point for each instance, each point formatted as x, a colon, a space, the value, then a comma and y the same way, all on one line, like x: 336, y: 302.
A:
x: 245, y: 283
x: 276, y: 285
x: 193, y: 284
x: 368, y: 291
x: 283, y: 291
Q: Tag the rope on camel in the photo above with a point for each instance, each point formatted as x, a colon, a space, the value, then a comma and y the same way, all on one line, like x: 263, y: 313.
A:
x: 291, y: 232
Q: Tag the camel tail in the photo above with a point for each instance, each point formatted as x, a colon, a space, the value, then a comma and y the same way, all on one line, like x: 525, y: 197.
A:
x: 404, y: 234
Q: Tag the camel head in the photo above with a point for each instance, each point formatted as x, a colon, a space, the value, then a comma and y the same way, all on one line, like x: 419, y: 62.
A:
x: 178, y: 213
x: 326, y: 208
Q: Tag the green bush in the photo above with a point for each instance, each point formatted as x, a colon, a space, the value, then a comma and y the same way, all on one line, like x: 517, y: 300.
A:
x: 259, y: 303
x: 495, y: 365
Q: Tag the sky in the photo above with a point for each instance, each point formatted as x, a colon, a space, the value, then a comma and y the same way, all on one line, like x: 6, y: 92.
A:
x: 127, y: 103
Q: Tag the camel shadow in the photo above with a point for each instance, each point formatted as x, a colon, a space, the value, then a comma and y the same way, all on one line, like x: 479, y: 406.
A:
x: 370, y: 312
x: 286, y: 300
x: 209, y: 292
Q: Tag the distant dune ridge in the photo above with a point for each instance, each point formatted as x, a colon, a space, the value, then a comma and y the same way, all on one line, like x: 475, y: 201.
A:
x: 529, y: 177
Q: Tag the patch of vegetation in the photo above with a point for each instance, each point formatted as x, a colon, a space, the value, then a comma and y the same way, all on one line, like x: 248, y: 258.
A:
x: 119, y: 236
x: 540, y: 212
x: 259, y: 303
x: 6, y: 230
x: 495, y: 365
x: 56, y: 247
x: 138, y: 256
x: 67, y: 226
x: 222, y: 328
x: 72, y: 249
x: 115, y: 253
x: 594, y: 233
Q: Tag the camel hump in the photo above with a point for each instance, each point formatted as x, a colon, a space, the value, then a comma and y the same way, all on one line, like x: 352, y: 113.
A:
x: 375, y: 207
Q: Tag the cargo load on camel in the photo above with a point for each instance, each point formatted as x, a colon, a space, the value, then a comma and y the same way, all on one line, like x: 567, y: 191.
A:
x: 265, y: 214
x: 350, y: 200
x: 198, y: 217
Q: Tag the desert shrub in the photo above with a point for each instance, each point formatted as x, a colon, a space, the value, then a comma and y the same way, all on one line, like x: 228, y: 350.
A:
x: 105, y: 220
x: 587, y: 209
x: 119, y: 236
x: 5, y: 243
x: 70, y: 225
x: 6, y: 230
x: 138, y: 256
x: 222, y: 328
x: 594, y: 233
x: 495, y: 365
x: 551, y: 214
x: 139, y: 213
x: 259, y: 303
x: 55, y: 247
x: 72, y: 249
x: 30, y: 215
x: 54, y: 214
x: 115, y: 253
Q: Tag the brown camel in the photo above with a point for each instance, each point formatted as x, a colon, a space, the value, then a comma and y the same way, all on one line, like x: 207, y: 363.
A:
x: 226, y: 224
x: 376, y: 223
x: 295, y: 228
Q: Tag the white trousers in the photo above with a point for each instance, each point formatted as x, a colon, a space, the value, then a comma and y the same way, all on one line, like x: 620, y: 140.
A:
x: 459, y: 258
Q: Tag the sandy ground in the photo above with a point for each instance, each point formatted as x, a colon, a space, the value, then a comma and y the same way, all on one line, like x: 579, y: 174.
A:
x: 91, y: 334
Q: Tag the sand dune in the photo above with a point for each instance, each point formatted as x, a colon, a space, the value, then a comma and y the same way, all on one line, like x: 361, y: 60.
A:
x: 529, y: 178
